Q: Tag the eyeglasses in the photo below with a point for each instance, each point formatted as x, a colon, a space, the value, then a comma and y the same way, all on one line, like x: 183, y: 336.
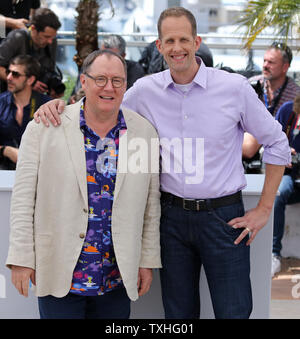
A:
x: 284, y: 48
x: 14, y: 74
x: 102, y: 80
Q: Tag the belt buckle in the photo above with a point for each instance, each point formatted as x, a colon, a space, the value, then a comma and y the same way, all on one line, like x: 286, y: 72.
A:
x: 183, y: 205
x: 198, y: 202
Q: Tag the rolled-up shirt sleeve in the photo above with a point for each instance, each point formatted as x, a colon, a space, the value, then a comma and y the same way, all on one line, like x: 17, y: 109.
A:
x: 259, y: 122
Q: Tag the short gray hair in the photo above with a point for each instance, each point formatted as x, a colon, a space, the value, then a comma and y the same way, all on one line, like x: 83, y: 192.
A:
x: 88, y: 61
x: 114, y: 41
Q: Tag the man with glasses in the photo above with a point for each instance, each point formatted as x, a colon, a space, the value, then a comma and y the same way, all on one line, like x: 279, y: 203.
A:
x: 17, y: 106
x: 85, y: 218
x: 201, y: 126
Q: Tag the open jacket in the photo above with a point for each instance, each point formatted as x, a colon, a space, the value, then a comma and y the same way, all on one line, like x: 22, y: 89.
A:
x: 49, y: 206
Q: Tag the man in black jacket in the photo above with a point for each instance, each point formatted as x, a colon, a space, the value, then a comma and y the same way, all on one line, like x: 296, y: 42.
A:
x: 38, y: 41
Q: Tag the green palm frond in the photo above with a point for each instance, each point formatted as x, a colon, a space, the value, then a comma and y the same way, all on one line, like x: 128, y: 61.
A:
x: 281, y: 15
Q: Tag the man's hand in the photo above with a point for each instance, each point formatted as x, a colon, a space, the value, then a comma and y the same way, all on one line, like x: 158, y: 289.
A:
x: 11, y: 153
x: 16, y: 23
x: 40, y: 87
x: 20, y: 278
x: 144, y: 280
x: 293, y: 152
x: 55, y: 95
x: 50, y: 111
x: 252, y: 222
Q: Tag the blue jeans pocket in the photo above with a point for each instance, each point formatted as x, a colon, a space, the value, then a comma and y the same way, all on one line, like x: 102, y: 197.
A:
x: 226, y: 213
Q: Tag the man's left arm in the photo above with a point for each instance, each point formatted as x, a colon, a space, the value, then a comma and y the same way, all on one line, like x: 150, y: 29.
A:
x: 255, y: 219
x: 259, y: 122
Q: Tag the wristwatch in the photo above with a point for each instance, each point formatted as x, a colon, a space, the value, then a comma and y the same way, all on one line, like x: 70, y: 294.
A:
x: 1, y: 152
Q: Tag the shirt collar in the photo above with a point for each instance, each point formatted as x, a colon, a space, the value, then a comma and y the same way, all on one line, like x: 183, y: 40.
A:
x: 121, y: 124
x: 199, y: 79
x: 277, y: 90
x: 10, y: 98
x: 11, y: 101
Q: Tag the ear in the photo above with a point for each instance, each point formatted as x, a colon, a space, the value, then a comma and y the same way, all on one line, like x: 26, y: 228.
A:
x: 31, y: 80
x: 83, y: 81
x: 285, y: 67
x: 33, y: 28
x: 198, y: 41
x: 158, y: 44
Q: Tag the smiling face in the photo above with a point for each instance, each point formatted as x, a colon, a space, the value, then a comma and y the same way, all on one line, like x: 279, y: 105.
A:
x: 104, y: 100
x: 178, y: 46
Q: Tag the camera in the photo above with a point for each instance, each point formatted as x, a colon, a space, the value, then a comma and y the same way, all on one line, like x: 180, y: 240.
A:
x: 295, y: 172
x: 54, y: 82
x: 252, y: 166
x: 296, y: 159
x: 256, y: 85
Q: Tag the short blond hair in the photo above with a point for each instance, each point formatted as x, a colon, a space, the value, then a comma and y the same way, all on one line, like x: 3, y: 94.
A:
x: 177, y: 12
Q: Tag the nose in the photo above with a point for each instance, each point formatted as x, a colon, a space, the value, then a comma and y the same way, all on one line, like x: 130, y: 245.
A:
x: 109, y: 85
x: 177, y: 45
x: 9, y: 76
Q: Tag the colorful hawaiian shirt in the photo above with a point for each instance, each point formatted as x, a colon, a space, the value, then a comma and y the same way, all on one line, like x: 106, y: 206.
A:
x: 96, y: 271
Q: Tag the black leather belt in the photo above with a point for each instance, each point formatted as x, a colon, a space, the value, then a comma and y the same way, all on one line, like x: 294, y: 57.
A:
x: 201, y: 204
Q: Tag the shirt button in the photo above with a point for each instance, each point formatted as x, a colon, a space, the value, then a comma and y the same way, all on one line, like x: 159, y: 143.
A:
x: 85, y: 210
x: 81, y: 235
x: 185, y: 117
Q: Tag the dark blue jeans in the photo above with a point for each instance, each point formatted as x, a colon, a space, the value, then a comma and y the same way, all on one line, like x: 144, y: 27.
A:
x: 112, y: 305
x: 190, y: 239
x: 288, y: 195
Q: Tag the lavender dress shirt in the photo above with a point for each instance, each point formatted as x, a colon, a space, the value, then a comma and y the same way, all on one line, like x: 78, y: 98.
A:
x: 201, y: 131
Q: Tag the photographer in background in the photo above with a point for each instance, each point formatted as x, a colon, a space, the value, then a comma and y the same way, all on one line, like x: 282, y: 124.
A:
x: 17, y: 107
x: 289, y: 117
x: 39, y: 41
x: 277, y: 86
x: 274, y: 87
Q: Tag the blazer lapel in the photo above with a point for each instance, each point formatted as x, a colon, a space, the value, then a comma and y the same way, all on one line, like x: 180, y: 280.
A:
x: 123, y: 153
x: 75, y: 141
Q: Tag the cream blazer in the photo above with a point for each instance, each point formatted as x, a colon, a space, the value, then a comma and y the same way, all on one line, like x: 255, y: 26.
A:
x: 49, y: 205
